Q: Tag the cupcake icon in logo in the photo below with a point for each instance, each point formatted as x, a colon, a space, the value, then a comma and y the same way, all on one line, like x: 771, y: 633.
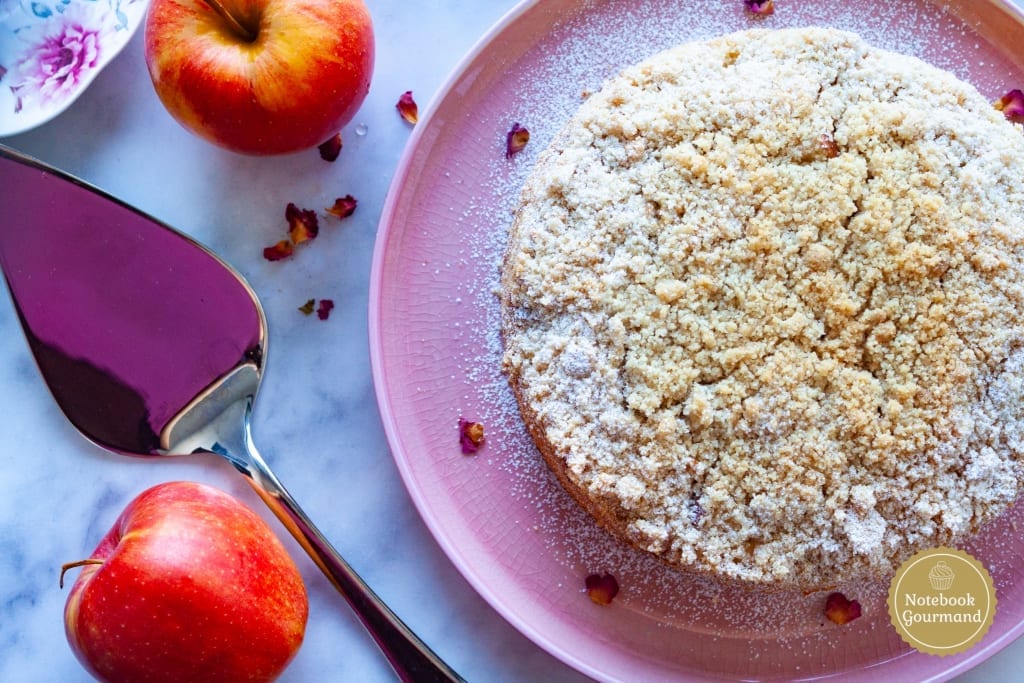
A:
x: 941, y: 576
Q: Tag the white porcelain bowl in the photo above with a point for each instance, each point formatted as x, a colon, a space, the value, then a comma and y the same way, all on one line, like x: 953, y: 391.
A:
x: 50, y: 50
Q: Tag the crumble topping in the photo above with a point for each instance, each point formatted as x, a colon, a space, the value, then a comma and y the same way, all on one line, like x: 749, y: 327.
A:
x: 776, y: 278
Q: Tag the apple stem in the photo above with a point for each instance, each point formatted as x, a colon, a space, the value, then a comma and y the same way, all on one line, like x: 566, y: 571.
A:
x: 237, y: 26
x: 71, y: 565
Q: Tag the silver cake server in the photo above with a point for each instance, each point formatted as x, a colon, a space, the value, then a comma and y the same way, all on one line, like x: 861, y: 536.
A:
x: 152, y: 345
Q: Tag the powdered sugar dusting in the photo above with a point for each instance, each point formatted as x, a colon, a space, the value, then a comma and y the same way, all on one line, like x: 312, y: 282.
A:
x: 580, y: 52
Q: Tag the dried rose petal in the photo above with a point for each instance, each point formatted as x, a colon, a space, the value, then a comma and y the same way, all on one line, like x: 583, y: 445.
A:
x: 762, y: 7
x: 407, y: 107
x: 330, y: 149
x: 828, y: 145
x: 841, y: 610
x: 307, y: 308
x: 602, y: 588
x: 471, y: 436
x: 343, y: 206
x: 303, y: 224
x: 1012, y: 105
x: 324, y: 309
x: 281, y: 250
x: 516, y: 140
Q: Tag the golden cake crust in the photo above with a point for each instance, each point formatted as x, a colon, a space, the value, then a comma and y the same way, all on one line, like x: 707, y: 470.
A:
x: 763, y: 307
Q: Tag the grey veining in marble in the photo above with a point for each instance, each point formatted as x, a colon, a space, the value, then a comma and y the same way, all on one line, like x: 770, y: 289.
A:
x: 316, y: 418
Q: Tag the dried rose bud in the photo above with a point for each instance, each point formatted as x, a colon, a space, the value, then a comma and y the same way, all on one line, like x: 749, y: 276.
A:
x: 324, y: 309
x: 516, y: 140
x: 602, y: 588
x: 828, y: 145
x: 343, y: 206
x: 407, y: 107
x: 762, y: 7
x: 281, y: 250
x: 471, y: 436
x: 840, y: 610
x: 1012, y: 105
x: 303, y: 224
x: 330, y: 149
x: 307, y: 308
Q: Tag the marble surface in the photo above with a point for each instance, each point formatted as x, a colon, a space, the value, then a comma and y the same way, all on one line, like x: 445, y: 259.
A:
x: 316, y: 418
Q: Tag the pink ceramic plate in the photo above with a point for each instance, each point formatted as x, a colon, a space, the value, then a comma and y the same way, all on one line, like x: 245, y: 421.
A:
x: 434, y: 320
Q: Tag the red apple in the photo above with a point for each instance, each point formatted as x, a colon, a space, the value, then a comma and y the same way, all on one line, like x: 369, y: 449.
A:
x: 189, y: 585
x: 260, y: 76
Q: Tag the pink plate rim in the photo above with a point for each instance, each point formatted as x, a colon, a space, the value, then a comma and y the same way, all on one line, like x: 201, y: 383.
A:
x: 922, y: 667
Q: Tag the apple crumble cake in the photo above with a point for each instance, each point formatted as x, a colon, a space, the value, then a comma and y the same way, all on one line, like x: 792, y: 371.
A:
x: 763, y: 307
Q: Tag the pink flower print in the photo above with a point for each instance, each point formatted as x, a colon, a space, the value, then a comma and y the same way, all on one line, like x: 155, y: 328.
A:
x: 62, y: 53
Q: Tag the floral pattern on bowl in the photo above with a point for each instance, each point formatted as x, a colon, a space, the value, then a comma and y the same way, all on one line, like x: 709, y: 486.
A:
x: 51, y: 50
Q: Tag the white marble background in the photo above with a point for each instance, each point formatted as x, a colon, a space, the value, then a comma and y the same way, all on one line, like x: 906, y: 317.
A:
x: 316, y: 421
